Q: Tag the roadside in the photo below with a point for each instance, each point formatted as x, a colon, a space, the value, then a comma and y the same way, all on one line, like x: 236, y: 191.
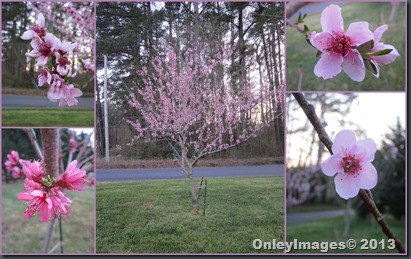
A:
x: 121, y: 163
x: 32, y: 92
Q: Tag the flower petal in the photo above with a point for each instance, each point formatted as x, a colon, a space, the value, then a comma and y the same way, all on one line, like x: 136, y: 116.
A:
x: 24, y: 196
x: 331, y: 19
x: 328, y: 66
x: 366, y: 150
x: 28, y: 35
x: 359, y: 33
x: 40, y: 20
x: 353, y: 66
x: 344, y: 140
x: 345, y: 186
x: 332, y: 165
x: 379, y: 31
x: 377, y: 68
x: 388, y: 58
x: 320, y: 40
x: 367, y: 177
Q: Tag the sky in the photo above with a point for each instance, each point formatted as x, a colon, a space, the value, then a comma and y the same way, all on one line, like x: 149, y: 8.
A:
x: 374, y: 113
x: 85, y: 130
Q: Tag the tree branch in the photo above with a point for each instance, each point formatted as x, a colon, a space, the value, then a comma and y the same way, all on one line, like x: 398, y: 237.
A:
x: 364, y: 194
x: 33, y: 139
x: 309, y: 111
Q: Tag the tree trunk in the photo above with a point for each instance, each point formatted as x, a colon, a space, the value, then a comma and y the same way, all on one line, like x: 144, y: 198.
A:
x: 187, y: 167
x: 50, y: 140
x: 194, y: 192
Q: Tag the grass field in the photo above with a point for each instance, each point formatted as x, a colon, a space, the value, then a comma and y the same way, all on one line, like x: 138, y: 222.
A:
x: 48, y: 117
x: 332, y: 229
x: 118, y: 162
x: 22, y: 235
x: 392, y: 76
x: 156, y: 216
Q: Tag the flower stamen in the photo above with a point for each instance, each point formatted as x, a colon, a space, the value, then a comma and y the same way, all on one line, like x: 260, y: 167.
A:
x: 351, y: 165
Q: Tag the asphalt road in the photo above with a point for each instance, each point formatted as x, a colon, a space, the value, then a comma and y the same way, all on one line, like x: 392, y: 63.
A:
x: 25, y: 101
x: 176, y: 173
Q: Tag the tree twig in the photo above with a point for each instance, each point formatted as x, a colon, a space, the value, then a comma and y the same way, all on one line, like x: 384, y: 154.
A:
x: 33, y: 139
x: 48, y: 236
x: 309, y: 111
x: 364, y: 194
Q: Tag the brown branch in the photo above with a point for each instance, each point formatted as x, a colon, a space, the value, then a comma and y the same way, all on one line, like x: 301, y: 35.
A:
x: 295, y: 26
x: 380, y: 219
x: 292, y: 8
x: 33, y: 139
x: 50, y: 141
x: 309, y: 111
x: 364, y: 194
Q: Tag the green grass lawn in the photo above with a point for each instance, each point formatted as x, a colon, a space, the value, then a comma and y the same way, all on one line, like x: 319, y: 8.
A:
x: 22, y: 235
x: 156, y: 216
x: 48, y: 117
x: 332, y: 229
x: 392, y: 76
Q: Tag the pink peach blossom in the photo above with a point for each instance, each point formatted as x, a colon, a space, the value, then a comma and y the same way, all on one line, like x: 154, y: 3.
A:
x: 13, y: 157
x: 72, y: 145
x: 16, y: 172
x: 44, y: 77
x: 37, y: 201
x: 351, y: 161
x: 338, y: 47
x: 49, y: 204
x: 379, y: 46
x: 65, y: 47
x: 33, y: 170
x: 30, y: 185
x: 43, y: 50
x: 36, y: 29
x: 69, y: 94
x: 60, y: 202
x: 12, y: 160
x: 56, y: 88
x: 63, y: 64
x: 73, y: 178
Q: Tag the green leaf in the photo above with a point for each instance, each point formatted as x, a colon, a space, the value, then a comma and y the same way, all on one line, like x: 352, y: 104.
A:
x: 318, y: 54
x: 306, y: 29
x: 380, y: 53
x: 366, y: 47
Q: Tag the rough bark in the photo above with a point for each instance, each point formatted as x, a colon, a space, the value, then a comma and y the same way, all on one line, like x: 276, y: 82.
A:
x: 50, y: 142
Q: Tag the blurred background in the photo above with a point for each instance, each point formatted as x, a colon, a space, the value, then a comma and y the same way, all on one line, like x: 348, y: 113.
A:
x: 22, y: 235
x: 314, y: 210
x: 302, y: 56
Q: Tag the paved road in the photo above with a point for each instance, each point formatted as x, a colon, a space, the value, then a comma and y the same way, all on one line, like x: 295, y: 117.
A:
x: 176, y: 173
x: 25, y: 101
x: 317, y: 215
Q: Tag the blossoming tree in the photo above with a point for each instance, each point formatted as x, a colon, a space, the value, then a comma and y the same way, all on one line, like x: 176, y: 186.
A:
x: 188, y: 104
